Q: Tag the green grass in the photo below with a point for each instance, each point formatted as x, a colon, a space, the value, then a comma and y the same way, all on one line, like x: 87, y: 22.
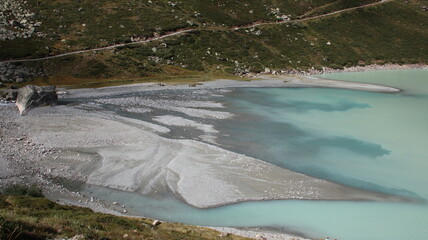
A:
x: 24, y: 217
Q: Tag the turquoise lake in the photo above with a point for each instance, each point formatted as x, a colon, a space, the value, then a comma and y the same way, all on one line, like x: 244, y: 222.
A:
x: 374, y: 141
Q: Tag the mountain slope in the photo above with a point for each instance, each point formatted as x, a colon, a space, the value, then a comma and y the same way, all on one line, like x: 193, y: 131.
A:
x: 226, y: 36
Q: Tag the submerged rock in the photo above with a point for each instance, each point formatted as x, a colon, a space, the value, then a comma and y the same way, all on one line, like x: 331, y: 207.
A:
x: 33, y: 96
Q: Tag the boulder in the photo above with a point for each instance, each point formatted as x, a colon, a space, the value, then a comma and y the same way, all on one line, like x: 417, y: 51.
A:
x: 32, y: 96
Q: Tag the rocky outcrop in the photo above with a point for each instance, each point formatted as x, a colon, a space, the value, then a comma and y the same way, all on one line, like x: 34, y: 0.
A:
x: 33, y: 96
x: 16, y: 21
x: 10, y: 73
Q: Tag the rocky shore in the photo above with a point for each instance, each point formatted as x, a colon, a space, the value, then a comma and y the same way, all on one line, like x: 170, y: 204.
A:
x: 314, y: 71
x: 258, y: 233
x: 372, y: 67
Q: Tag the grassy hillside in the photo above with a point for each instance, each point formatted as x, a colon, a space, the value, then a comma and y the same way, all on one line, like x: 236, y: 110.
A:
x: 393, y: 32
x: 24, y: 217
x: 71, y: 25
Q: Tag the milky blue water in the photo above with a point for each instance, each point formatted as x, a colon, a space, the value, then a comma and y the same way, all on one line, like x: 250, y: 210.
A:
x: 374, y: 141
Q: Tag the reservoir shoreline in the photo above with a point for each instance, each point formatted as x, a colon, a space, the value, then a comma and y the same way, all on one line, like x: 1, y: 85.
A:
x: 286, y: 81
x: 51, y: 132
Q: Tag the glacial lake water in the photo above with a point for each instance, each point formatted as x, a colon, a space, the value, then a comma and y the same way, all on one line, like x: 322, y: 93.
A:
x: 374, y: 141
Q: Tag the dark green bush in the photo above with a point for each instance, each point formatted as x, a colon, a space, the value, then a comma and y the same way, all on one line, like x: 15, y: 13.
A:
x: 21, y: 190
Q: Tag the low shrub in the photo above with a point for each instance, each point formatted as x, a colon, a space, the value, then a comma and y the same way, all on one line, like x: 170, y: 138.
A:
x: 21, y: 190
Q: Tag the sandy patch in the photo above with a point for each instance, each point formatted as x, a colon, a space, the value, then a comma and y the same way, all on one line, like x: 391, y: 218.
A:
x: 183, y: 122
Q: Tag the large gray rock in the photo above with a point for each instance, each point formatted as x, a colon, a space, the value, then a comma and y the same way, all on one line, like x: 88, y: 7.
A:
x: 32, y: 96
